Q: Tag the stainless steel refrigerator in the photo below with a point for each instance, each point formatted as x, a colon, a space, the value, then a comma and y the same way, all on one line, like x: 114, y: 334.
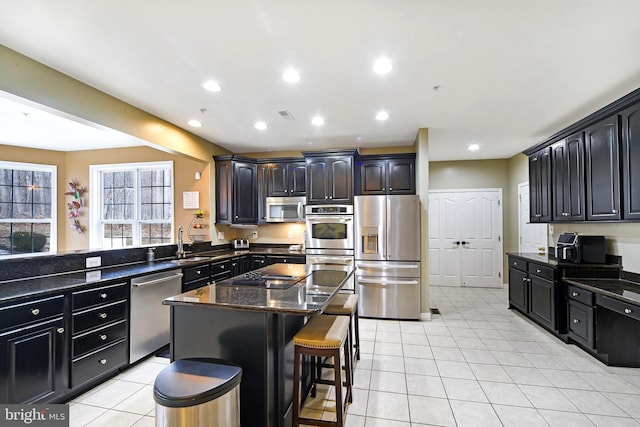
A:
x: 387, y: 253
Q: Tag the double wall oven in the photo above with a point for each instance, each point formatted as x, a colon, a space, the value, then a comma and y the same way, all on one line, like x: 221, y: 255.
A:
x: 329, y: 236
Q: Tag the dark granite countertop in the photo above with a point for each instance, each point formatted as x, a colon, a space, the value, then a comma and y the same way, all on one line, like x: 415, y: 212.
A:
x: 551, y: 260
x: 14, y: 290
x: 308, y: 293
x: 621, y: 289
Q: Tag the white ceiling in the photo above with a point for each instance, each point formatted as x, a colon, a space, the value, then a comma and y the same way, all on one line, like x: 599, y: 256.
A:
x: 510, y: 72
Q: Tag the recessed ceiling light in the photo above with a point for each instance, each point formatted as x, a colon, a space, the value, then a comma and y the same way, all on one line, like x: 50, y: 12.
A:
x: 382, y: 115
x: 474, y: 147
x: 291, y: 76
x: 310, y: 142
x: 260, y: 125
x: 382, y: 66
x: 195, y: 123
x: 358, y: 138
x: 317, y: 121
x: 212, y: 86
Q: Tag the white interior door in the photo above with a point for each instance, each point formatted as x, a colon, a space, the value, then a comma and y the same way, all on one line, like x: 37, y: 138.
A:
x: 444, y: 256
x: 465, y: 238
x: 531, y: 236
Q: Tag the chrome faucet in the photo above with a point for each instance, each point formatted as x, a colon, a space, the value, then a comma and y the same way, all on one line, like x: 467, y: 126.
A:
x: 180, y: 252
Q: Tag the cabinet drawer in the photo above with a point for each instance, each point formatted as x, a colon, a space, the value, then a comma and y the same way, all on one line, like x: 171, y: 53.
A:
x: 102, y: 295
x: 518, y: 264
x: 580, y: 323
x: 275, y: 259
x: 541, y: 270
x: 196, y: 273
x: 620, y: 307
x: 220, y: 270
x: 95, y: 339
x: 32, y: 311
x: 186, y: 287
x: 99, y: 316
x: 95, y: 364
x: 579, y: 294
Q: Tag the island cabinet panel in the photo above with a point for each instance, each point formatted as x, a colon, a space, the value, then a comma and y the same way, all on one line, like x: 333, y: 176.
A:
x: 540, y: 186
x: 32, y: 362
x: 602, y: 170
x: 567, y: 169
x: 630, y: 122
x: 261, y: 343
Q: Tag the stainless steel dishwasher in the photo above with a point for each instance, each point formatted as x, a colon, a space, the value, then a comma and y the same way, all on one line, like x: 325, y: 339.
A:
x: 149, y: 318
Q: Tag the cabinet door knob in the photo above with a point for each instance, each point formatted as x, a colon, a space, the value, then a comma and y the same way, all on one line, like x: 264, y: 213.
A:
x: 102, y: 315
x: 515, y: 263
x: 576, y: 320
x: 103, y: 296
x: 103, y: 337
x: 628, y: 311
x: 35, y: 311
x: 574, y: 294
x: 60, y: 330
x: 326, y: 197
x: 237, y: 216
x: 383, y: 188
x: 615, y: 211
x: 390, y: 188
x: 103, y: 361
x: 286, y: 191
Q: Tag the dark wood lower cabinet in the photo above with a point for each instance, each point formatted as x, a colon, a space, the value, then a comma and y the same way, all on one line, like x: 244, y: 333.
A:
x: 580, y: 324
x: 542, y: 305
x: 32, y: 363
x: 518, y: 289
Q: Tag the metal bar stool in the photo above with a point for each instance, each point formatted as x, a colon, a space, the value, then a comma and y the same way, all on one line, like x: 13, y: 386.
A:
x: 347, y: 305
x: 322, y: 336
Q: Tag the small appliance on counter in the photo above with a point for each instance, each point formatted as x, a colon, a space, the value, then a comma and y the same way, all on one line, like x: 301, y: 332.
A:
x: 579, y: 249
x: 240, y: 243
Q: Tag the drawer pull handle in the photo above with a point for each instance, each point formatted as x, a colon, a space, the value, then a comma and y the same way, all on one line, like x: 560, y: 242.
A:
x: 222, y: 267
x: 60, y: 330
x: 538, y: 271
x: 103, y: 337
x: 103, y: 361
x: 198, y: 271
x: 574, y: 294
x: 35, y: 311
x: 628, y: 311
x: 103, y: 296
x: 576, y: 320
x: 102, y: 315
x: 515, y: 263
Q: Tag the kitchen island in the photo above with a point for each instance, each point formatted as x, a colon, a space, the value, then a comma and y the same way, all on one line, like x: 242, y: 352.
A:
x: 253, y: 326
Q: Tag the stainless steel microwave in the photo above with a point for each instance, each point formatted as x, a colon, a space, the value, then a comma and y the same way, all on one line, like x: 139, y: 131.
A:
x: 285, y: 209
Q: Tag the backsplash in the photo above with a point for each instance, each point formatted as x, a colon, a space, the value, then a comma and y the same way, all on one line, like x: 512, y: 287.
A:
x: 623, y: 239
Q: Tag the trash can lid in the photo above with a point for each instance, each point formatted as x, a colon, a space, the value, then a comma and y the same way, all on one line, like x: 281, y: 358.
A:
x: 191, y: 382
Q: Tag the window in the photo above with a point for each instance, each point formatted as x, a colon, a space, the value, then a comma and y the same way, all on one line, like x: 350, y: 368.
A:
x: 131, y: 204
x: 27, y: 209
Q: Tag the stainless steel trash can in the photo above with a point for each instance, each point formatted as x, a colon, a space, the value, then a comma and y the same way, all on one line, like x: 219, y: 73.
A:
x: 198, y: 392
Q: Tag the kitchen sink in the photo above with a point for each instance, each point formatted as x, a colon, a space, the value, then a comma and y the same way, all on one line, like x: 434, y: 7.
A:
x: 193, y: 259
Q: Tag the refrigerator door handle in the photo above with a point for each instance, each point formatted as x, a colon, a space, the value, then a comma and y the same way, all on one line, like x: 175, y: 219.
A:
x: 388, y: 282
x: 387, y: 266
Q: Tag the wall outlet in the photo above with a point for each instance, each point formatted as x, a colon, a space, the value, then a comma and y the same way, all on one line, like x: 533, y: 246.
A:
x: 94, y: 261
x: 254, y: 234
x: 290, y: 234
x: 220, y: 235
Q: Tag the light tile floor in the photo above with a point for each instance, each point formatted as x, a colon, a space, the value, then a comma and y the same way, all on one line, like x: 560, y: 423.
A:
x: 476, y: 364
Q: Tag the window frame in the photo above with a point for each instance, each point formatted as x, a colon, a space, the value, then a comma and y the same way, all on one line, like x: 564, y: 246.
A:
x: 53, y: 221
x: 96, y: 206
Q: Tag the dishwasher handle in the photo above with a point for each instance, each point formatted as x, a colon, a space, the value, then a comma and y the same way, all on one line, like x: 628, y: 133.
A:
x: 388, y: 282
x: 153, y: 282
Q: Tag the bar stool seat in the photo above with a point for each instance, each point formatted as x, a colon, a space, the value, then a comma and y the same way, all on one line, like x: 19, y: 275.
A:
x: 322, y: 336
x: 347, y: 305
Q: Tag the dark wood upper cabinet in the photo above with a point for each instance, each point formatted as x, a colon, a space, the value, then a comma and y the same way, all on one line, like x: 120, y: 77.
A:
x: 540, y: 186
x: 287, y: 179
x: 386, y: 175
x: 567, y: 171
x: 329, y: 178
x: 602, y: 167
x: 236, y: 190
x: 630, y: 133
x: 263, y: 186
